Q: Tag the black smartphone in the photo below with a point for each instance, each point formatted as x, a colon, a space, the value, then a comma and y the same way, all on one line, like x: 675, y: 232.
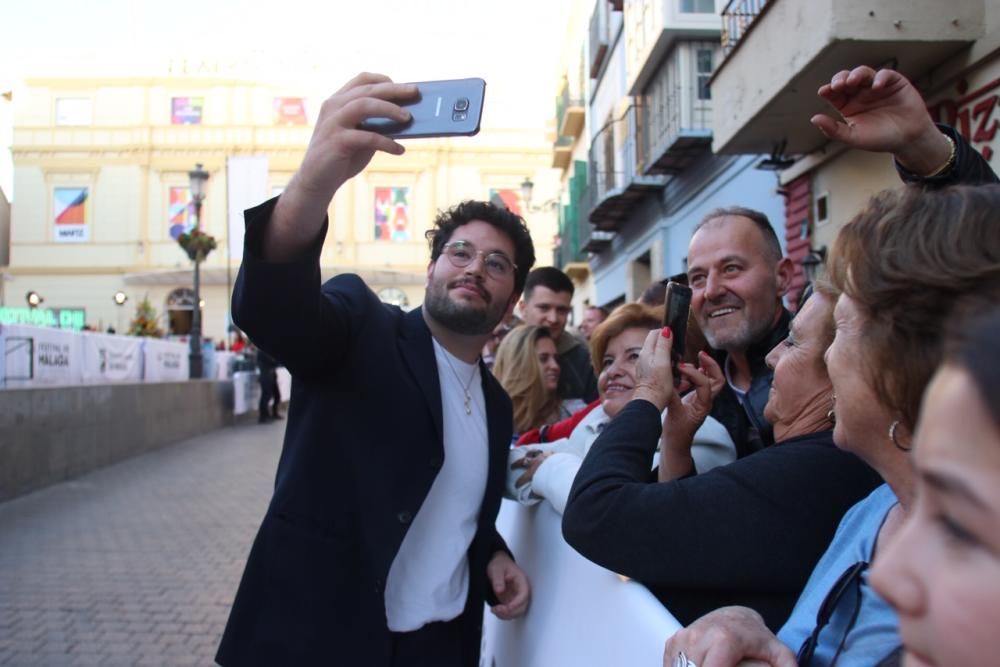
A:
x: 676, y: 305
x: 451, y: 108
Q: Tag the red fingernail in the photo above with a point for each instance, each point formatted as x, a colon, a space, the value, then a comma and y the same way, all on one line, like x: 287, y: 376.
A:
x: 666, y: 332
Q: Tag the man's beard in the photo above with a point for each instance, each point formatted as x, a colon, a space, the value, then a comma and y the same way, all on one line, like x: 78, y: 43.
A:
x: 463, y: 319
x: 737, y: 339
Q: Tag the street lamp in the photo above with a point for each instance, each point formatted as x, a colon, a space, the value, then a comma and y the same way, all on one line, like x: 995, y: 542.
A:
x: 120, y: 298
x: 34, y: 299
x: 527, y: 189
x: 198, y: 178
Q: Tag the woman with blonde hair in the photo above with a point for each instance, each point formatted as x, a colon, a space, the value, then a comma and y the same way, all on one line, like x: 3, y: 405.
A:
x: 527, y: 368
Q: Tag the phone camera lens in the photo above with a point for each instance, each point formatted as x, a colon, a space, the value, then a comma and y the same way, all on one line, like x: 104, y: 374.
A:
x: 462, y: 104
x: 459, y: 116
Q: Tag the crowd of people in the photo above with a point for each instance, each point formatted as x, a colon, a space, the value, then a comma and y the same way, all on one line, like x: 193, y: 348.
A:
x: 811, y: 490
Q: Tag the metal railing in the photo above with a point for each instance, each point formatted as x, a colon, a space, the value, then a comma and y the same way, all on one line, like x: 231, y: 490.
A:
x: 616, y: 153
x: 737, y: 18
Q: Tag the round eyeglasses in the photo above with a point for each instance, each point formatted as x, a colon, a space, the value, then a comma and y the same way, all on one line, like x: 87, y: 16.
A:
x: 462, y: 253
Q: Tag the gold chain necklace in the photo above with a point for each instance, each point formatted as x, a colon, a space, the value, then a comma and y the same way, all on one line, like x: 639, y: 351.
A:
x: 468, y: 396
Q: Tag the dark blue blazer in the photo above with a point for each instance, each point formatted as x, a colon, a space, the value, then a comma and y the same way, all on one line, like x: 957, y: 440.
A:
x: 362, y: 447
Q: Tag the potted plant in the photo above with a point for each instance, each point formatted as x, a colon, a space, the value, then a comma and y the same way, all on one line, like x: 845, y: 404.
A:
x: 197, y: 244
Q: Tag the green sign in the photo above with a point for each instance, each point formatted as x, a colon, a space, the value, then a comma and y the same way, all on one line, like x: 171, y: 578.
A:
x: 62, y: 318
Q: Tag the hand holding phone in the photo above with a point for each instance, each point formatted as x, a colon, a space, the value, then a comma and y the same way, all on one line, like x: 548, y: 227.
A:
x: 443, y: 109
x: 676, y: 306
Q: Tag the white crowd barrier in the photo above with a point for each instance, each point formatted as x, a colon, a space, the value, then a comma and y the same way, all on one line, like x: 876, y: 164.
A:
x: 246, y: 389
x: 42, y: 356
x: 581, y: 614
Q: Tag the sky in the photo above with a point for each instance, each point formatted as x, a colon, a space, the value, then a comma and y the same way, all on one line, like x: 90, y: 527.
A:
x: 514, y: 45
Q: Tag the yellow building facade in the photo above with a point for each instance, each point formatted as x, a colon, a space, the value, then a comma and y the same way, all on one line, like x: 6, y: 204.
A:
x: 101, y: 192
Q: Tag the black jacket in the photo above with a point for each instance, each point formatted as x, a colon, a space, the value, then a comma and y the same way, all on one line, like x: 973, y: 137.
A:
x: 747, y: 427
x: 748, y: 533
x: 362, y: 447
x: 969, y: 169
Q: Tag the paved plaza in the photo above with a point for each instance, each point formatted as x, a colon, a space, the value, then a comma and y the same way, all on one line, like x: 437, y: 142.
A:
x: 138, y: 563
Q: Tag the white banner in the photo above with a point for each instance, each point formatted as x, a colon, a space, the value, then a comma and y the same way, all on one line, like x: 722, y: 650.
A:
x: 246, y: 186
x: 246, y: 391
x: 580, y: 613
x: 40, y: 356
x: 110, y: 358
x: 284, y: 384
x: 223, y: 365
x: 165, y: 361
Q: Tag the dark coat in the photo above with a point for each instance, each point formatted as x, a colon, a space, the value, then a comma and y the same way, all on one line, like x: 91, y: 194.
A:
x: 747, y: 533
x: 362, y: 447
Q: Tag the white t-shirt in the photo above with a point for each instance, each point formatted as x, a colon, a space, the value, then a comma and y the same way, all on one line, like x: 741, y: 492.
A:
x: 429, y: 577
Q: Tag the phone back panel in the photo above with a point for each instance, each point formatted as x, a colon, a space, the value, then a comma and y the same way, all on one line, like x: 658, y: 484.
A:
x: 445, y: 109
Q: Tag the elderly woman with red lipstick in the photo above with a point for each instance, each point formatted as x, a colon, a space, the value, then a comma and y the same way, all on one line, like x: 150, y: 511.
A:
x: 547, y: 470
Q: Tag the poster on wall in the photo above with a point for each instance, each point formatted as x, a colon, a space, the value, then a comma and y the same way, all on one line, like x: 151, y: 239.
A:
x: 289, y: 111
x: 71, y: 214
x: 392, y: 214
x: 511, y: 199
x: 179, y: 213
x: 186, y: 110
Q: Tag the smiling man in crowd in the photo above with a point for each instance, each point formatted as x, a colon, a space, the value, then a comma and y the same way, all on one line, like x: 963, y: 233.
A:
x: 738, y: 278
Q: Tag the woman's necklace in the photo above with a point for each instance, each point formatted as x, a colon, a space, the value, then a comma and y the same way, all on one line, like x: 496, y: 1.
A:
x: 465, y: 388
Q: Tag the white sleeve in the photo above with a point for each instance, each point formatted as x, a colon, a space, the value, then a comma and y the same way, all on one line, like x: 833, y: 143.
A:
x: 554, y: 478
x: 712, y: 446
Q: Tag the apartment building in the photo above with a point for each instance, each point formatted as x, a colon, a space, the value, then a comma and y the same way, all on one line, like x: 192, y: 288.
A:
x: 777, y: 53
x: 644, y: 173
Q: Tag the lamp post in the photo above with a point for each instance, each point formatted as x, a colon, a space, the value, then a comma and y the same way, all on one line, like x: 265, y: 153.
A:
x: 812, y: 261
x: 198, y: 178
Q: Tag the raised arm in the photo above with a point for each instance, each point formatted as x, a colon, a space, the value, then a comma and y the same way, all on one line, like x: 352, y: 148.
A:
x: 337, y: 152
x: 883, y: 112
x: 277, y: 298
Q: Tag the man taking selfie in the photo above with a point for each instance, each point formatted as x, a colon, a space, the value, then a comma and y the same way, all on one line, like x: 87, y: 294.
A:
x: 379, y: 545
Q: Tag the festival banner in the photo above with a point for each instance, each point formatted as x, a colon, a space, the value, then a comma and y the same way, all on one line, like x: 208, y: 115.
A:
x: 186, y: 110
x: 246, y: 186
x: 392, y: 214
x: 40, y: 356
x: 289, y: 111
x: 71, y: 209
x: 510, y: 199
x: 165, y: 361
x: 180, y: 211
x: 111, y: 358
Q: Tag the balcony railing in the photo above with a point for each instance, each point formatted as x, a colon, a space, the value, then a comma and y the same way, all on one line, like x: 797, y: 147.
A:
x: 737, y: 18
x: 616, y: 183
x: 562, y: 152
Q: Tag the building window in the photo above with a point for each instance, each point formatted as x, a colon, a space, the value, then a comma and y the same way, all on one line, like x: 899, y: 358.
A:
x: 73, y: 111
x: 703, y: 72
x: 698, y: 6
x: 180, y: 311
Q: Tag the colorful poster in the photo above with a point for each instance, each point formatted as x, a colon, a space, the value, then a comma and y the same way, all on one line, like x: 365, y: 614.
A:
x: 289, y: 111
x: 71, y: 209
x: 180, y: 213
x: 392, y: 214
x: 510, y: 199
x: 186, y: 110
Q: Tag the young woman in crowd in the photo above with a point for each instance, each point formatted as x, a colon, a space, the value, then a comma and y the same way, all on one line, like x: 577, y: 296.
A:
x: 941, y: 573
x: 527, y: 368
x: 547, y: 470
x: 908, y: 266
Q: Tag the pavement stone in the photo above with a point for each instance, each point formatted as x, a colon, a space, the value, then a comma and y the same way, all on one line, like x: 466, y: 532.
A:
x: 136, y: 563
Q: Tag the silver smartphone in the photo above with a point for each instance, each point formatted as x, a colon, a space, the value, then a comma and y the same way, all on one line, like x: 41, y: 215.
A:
x: 451, y: 108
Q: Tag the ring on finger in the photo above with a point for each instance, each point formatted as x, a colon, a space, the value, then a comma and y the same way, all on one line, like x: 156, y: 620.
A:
x: 683, y: 661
